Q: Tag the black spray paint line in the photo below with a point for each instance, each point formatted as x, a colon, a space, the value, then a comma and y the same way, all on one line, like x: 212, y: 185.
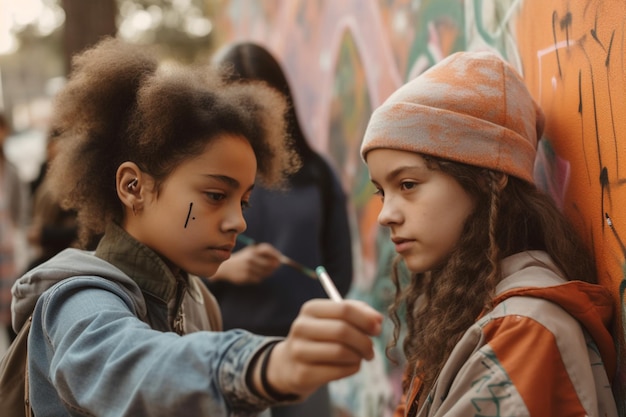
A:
x: 594, y: 34
x: 582, y: 125
x: 556, y: 50
x: 188, y: 215
x: 608, y: 82
x: 603, y: 177
x: 565, y: 24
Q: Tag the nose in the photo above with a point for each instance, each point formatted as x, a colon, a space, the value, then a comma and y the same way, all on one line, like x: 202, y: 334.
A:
x: 389, y: 213
x: 234, y: 220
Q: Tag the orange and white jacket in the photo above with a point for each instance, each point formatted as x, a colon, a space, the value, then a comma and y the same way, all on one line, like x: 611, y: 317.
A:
x: 545, y: 350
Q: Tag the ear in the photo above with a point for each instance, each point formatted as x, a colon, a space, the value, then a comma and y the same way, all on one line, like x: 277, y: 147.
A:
x: 130, y: 185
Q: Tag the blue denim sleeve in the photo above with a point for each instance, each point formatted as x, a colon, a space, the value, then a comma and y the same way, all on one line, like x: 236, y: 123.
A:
x: 90, y: 355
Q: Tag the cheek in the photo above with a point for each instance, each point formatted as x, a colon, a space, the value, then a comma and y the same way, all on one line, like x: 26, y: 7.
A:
x: 197, y: 219
x: 191, y: 216
x: 455, y: 205
x: 443, y: 222
x: 177, y: 221
x: 453, y: 224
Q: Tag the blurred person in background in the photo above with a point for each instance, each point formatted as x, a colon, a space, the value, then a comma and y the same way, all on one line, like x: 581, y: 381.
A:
x: 14, y: 212
x: 307, y: 222
x: 52, y: 228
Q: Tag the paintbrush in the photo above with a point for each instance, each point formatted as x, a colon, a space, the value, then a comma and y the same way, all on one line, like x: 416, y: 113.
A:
x: 246, y: 240
x: 327, y: 283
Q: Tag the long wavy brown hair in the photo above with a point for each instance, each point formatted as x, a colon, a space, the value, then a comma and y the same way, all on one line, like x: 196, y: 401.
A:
x: 511, y: 216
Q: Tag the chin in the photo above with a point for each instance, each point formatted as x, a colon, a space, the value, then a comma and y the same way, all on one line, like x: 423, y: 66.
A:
x: 209, y: 272
x: 416, y: 267
x: 203, y: 271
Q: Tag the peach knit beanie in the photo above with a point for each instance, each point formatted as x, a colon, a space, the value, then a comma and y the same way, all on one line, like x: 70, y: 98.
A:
x: 472, y: 107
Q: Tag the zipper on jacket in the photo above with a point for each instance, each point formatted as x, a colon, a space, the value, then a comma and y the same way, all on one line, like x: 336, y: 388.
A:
x: 179, y: 321
x: 178, y: 325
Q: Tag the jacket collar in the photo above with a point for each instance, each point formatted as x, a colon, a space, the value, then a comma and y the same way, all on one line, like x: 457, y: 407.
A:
x: 139, y: 262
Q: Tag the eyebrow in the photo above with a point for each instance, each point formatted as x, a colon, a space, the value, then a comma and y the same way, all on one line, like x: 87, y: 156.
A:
x: 230, y: 181
x: 401, y: 169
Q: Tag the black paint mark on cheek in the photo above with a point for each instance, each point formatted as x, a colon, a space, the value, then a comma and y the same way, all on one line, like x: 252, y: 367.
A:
x: 188, y: 215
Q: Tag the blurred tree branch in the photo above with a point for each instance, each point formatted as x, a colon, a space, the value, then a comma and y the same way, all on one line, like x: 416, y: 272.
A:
x: 183, y: 29
x: 86, y: 22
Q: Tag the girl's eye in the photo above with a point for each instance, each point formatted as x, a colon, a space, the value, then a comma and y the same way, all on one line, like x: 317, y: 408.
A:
x: 245, y: 205
x: 380, y: 193
x: 215, y: 196
x: 407, y: 185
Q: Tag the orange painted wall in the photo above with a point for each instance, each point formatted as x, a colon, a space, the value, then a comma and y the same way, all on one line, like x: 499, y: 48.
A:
x: 344, y: 57
x: 573, y: 61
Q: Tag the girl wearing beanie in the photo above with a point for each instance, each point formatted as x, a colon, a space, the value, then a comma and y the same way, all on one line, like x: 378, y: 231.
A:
x: 504, y: 315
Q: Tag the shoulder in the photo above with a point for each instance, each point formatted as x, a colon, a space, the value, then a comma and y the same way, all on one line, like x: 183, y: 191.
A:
x: 517, y: 362
x: 520, y: 313
x: 86, y: 290
x: 332, y: 173
x: 76, y: 272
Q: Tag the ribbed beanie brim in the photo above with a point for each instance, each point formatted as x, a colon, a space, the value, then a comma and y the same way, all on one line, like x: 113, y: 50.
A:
x: 472, y: 107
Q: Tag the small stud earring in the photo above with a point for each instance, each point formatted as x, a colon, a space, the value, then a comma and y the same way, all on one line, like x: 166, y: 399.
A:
x: 131, y: 185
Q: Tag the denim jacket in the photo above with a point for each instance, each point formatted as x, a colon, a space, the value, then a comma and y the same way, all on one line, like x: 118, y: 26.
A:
x: 116, y: 333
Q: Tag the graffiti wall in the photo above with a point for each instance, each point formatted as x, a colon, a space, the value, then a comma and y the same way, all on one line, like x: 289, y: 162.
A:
x: 344, y: 57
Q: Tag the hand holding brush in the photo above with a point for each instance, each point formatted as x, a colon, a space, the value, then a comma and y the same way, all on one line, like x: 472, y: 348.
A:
x: 319, y: 273
x: 251, y: 264
x: 248, y: 241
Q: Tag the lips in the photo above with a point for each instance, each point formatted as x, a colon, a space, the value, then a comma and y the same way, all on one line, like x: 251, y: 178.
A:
x: 228, y: 247
x: 402, y: 244
x: 222, y: 252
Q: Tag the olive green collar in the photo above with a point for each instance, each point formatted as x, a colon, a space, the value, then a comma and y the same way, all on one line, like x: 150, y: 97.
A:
x: 139, y: 262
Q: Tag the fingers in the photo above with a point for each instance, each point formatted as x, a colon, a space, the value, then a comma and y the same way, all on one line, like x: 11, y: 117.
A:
x: 263, y: 259
x: 267, y: 251
x: 250, y: 265
x: 304, y: 378
x: 327, y: 341
x: 289, y: 374
x: 266, y: 258
x: 357, y: 313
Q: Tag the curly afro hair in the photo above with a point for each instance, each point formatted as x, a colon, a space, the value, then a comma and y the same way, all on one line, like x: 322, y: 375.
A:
x: 121, y: 104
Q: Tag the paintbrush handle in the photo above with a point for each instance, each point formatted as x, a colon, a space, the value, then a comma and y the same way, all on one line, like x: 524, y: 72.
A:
x: 245, y: 240
x: 328, y: 284
x: 306, y: 271
x: 283, y: 258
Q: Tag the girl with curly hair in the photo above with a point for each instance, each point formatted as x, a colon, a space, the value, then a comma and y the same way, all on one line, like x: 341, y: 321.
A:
x: 160, y: 160
x: 503, y: 313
